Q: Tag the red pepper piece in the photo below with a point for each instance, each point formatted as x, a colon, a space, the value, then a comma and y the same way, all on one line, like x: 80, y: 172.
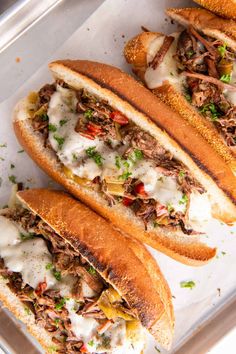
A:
x: 139, y: 189
x: 127, y: 201
x: 41, y: 288
x: 83, y: 349
x: 88, y: 134
x: 94, y: 128
x: 119, y: 118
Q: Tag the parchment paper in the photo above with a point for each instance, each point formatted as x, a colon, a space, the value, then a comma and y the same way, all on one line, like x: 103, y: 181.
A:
x: 102, y: 38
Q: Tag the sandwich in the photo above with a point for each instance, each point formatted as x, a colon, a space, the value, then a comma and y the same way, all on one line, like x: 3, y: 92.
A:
x: 224, y: 8
x: 111, y: 143
x: 193, y: 71
x: 76, y: 282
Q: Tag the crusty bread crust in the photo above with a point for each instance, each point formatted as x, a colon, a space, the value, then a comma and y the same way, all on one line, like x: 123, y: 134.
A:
x: 155, y: 117
x: 121, y: 261
x: 168, y: 94
x: 135, y: 53
x: 184, y: 249
x: 206, y: 22
x: 224, y: 8
x: 12, y: 303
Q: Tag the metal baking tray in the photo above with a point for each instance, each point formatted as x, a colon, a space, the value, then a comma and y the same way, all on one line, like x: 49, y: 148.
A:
x: 34, y: 32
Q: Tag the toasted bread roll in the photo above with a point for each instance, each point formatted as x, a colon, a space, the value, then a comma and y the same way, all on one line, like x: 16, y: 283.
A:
x: 224, y: 8
x: 89, y: 236
x: 140, y: 50
x: 115, y: 87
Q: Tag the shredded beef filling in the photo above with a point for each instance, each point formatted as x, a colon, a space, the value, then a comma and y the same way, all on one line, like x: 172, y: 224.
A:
x: 48, y: 306
x: 208, y: 67
x: 97, y: 119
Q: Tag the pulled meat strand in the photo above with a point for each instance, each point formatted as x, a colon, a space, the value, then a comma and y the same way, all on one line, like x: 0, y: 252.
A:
x: 212, y: 80
x: 160, y: 55
x: 208, y: 45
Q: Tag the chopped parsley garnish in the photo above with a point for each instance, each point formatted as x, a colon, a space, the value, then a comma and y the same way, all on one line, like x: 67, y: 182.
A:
x: 223, y: 253
x: 158, y: 350
x: 88, y: 114
x: 28, y: 236
x: 188, y: 97
x: 3, y: 145
x: 184, y: 199
x: 93, y: 154
x: 20, y: 151
x: 12, y: 179
x: 222, y: 49
x: 136, y: 155
x: 57, y: 275
x: 91, y: 343
x: 91, y: 270
x: 118, y: 162
x: 190, y: 53
x: 12, y: 166
x: 155, y: 224
x: 187, y: 284
x: 52, y: 349
x: 170, y: 208
x: 27, y: 310
x: 57, y: 321
x: 125, y: 175
x: 74, y: 157
x: 49, y: 266
x: 60, y: 304
x: 44, y: 117
x: 181, y: 173
x: 63, y: 122
x: 52, y: 128
x: 171, y: 73
x: 59, y: 140
x: 210, y: 107
x: 226, y: 78
x: 106, y: 341
x: 2, y: 159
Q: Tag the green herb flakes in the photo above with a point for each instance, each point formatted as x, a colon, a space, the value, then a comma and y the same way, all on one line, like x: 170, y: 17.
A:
x: 188, y: 97
x: 190, y: 53
x: 12, y: 179
x: 211, y: 108
x: 52, y: 128
x: 222, y: 49
x: 158, y: 350
x: 125, y: 175
x: 12, y: 166
x: 57, y: 275
x: 44, y: 117
x: 27, y: 310
x: 93, y: 154
x: 20, y: 151
x: 170, y: 208
x: 187, y: 284
x: 63, y: 122
x: 225, y: 78
x: 3, y: 145
x: 59, y: 140
x: 91, y: 343
x: 91, y: 270
x: 60, y: 304
x: 49, y: 266
x: 88, y: 114
x: 28, y: 236
x: 118, y: 161
x: 184, y: 199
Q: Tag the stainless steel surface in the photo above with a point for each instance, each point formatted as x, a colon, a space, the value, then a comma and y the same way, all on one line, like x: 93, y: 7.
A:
x: 213, y: 331
x: 6, y: 4
x: 13, y: 340
x: 39, y: 35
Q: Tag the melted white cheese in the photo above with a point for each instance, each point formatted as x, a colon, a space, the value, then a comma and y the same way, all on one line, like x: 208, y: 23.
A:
x: 167, y: 70
x: 199, y: 211
x: 231, y: 95
x: 29, y: 257
x: 86, y: 329
x: 160, y: 187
